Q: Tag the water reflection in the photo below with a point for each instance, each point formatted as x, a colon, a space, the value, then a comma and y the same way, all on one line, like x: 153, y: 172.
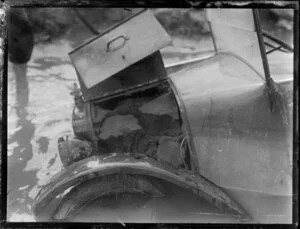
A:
x: 39, y: 112
x: 19, y: 182
x: 22, y: 90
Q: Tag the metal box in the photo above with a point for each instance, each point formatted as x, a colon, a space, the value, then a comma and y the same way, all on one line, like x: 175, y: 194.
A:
x: 124, y: 57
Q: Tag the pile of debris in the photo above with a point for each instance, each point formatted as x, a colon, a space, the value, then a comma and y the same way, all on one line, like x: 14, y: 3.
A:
x: 147, y: 122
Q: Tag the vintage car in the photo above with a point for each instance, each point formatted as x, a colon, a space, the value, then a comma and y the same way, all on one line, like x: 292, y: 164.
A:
x: 205, y: 140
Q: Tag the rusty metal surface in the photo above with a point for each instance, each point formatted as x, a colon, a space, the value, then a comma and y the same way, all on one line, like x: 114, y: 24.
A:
x: 100, y: 166
x: 237, y: 141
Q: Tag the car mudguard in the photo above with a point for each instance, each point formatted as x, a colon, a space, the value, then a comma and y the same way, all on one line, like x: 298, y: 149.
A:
x: 50, y: 196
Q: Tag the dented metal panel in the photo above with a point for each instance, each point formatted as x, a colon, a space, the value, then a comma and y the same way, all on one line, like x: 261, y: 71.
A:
x: 236, y: 140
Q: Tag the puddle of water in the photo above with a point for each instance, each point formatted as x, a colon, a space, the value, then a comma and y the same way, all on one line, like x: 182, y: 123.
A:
x: 35, y: 125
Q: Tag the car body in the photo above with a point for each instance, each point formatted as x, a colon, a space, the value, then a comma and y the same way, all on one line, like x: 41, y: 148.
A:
x: 235, y: 151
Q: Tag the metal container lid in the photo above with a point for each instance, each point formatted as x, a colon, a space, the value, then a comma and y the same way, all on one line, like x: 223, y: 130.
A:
x: 129, y: 47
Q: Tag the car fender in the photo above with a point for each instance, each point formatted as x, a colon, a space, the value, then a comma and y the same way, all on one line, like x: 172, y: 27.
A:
x: 47, y: 200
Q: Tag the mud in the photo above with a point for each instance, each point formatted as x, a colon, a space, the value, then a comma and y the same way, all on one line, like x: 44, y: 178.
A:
x: 147, y: 122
